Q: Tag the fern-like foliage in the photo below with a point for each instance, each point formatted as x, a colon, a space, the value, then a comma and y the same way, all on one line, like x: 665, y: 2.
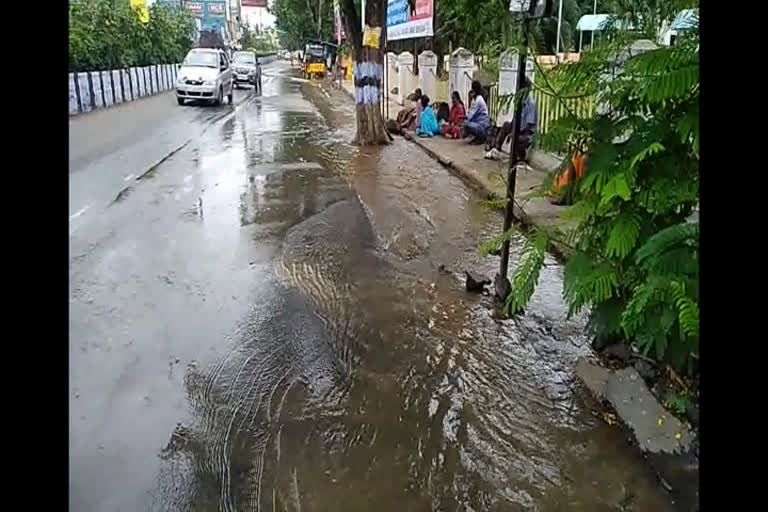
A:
x: 526, y: 275
x: 495, y: 243
x: 634, y: 259
x: 678, y: 235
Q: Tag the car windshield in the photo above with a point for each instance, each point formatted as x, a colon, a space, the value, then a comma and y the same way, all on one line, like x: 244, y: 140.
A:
x: 206, y: 59
x: 245, y: 58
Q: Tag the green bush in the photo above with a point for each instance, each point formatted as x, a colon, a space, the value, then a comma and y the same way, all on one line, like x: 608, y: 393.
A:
x: 634, y: 254
x: 104, y: 34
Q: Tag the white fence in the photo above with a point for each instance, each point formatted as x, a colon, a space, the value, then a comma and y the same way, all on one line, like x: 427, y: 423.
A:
x: 461, y: 69
x: 91, y: 90
x: 101, y: 89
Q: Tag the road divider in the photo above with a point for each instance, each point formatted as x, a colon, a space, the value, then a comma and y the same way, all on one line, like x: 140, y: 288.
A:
x: 92, y: 90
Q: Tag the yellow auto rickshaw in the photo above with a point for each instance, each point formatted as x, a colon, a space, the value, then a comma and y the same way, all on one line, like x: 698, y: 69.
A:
x: 313, y: 65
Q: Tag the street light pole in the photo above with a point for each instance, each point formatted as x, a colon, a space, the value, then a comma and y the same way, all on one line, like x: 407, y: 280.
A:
x: 559, y: 24
x: 501, y: 283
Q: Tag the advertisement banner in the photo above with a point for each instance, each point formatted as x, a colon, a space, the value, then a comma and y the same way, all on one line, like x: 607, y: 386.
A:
x: 254, y: 3
x: 407, y: 19
x: 215, y: 17
x: 195, y: 8
x: 216, y: 9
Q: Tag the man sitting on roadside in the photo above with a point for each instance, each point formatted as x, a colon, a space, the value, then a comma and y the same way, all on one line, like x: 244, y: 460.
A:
x: 477, y: 120
x: 529, y: 123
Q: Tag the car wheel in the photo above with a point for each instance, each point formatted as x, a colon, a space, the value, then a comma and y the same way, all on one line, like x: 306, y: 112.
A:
x: 219, y: 96
x: 180, y: 101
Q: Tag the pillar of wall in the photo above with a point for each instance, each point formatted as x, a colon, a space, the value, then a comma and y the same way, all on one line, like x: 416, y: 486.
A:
x: 460, y: 71
x: 508, y: 81
x: 405, y: 62
x: 393, y: 79
x: 428, y: 74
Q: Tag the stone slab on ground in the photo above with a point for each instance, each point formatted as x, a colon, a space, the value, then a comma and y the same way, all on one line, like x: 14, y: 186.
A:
x: 663, y: 439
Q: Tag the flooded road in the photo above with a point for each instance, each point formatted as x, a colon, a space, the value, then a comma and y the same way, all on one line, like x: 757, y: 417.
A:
x: 273, y: 319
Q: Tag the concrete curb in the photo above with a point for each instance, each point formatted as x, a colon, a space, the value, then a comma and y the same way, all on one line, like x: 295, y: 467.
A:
x: 663, y: 440
x: 539, y: 160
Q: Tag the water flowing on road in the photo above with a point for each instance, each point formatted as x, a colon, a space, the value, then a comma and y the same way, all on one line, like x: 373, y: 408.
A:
x: 274, y: 319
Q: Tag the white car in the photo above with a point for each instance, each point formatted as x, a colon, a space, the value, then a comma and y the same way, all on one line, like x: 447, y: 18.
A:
x: 206, y: 75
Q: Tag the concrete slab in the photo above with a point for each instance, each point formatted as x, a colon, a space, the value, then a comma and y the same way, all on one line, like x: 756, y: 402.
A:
x: 656, y: 430
x: 594, y: 377
x: 664, y: 440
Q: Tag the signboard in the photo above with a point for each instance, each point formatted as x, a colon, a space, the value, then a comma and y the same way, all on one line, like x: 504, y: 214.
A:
x: 196, y: 8
x: 407, y: 19
x: 255, y: 3
x: 519, y: 5
x: 541, y: 8
x: 216, y: 9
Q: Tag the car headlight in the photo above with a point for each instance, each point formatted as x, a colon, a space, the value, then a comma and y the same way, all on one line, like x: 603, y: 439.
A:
x: 210, y: 82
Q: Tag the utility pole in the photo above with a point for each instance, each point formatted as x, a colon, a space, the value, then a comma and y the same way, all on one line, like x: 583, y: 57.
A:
x: 592, y: 42
x: 559, y: 24
x: 501, y: 283
x: 320, y: 21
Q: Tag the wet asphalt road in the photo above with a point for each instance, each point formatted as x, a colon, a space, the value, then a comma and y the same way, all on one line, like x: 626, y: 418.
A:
x: 259, y: 323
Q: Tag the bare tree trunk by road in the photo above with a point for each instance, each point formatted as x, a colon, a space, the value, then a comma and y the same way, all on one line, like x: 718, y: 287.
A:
x: 369, y: 71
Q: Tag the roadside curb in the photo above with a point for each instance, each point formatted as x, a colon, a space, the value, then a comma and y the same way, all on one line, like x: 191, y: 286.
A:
x: 540, y: 161
x: 665, y: 442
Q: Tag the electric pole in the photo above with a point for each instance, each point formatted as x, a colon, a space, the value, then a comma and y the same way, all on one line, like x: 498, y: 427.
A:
x: 501, y: 283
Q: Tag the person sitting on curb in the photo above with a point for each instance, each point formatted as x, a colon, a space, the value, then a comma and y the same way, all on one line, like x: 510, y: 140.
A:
x: 477, y: 120
x: 427, y: 122
x: 442, y: 112
x: 529, y: 123
x: 452, y: 129
x: 408, y: 117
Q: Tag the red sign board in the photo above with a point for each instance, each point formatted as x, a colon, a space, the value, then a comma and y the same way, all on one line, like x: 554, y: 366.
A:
x: 196, y: 8
x: 254, y: 3
x: 217, y: 9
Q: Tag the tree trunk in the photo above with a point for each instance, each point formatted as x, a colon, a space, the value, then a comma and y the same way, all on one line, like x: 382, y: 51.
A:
x: 368, y: 72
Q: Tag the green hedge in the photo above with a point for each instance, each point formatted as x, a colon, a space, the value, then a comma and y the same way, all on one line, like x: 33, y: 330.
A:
x: 108, y: 34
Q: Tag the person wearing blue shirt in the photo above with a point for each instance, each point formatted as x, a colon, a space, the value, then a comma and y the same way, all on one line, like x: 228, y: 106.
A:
x: 477, y: 121
x: 427, y: 121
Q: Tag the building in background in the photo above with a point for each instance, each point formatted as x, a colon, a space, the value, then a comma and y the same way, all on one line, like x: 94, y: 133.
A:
x: 215, y: 17
x: 235, y: 21
x: 257, y: 6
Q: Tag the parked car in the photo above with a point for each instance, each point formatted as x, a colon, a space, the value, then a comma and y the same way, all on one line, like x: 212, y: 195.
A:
x: 247, y: 69
x: 206, y: 75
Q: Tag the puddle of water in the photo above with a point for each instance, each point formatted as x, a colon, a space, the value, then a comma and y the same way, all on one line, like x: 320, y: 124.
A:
x: 370, y: 380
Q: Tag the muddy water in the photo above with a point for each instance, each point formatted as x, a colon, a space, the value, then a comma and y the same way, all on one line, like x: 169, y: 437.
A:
x: 362, y: 376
